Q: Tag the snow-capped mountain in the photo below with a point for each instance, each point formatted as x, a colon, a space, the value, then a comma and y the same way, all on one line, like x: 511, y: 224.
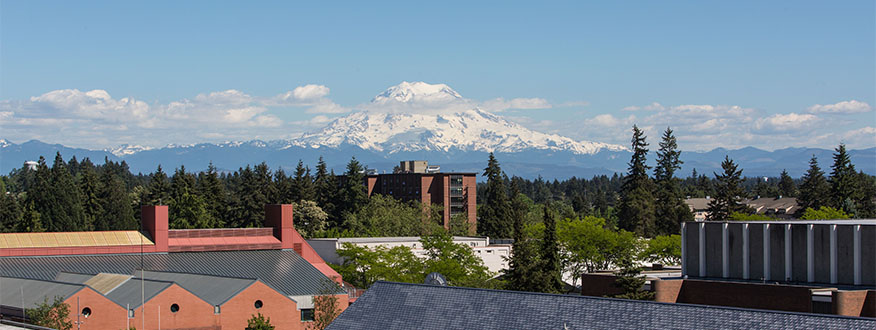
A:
x: 466, y: 130
x: 407, y: 92
x: 126, y: 149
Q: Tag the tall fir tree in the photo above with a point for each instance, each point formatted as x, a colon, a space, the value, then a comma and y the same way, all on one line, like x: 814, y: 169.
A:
x: 551, y: 271
x: 302, y: 183
x: 326, y: 191
x: 814, y: 189
x: 89, y: 188
x: 10, y: 212
x: 115, y: 204
x: 494, y: 213
x: 843, y: 183
x: 670, y: 210
x: 728, y: 192
x: 255, y: 191
x: 865, y: 205
x: 354, y: 192
x: 636, y: 209
x: 64, y: 211
x: 158, y: 192
x: 523, y: 266
x: 284, y: 187
x: 787, y: 187
x: 212, y: 189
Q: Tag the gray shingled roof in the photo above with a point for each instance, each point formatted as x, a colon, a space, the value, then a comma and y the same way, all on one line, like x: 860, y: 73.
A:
x: 212, y: 289
x: 283, y: 270
x: 416, y: 306
x: 35, y: 291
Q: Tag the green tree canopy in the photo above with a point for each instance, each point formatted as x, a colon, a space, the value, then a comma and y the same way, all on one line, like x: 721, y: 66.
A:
x: 729, y: 192
x: 636, y: 209
x: 494, y: 213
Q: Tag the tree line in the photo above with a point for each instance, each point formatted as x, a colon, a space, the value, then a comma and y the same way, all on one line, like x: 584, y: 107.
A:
x: 81, y: 196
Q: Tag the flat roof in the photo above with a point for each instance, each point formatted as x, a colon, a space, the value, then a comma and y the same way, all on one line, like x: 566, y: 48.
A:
x: 73, y: 239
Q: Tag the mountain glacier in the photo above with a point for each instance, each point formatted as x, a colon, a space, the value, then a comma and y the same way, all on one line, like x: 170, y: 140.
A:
x: 424, y: 117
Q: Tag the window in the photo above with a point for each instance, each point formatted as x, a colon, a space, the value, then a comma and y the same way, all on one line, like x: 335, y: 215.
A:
x: 174, y: 308
x: 86, y: 312
x: 216, y: 309
x: 307, y: 314
x: 258, y: 304
x: 130, y: 313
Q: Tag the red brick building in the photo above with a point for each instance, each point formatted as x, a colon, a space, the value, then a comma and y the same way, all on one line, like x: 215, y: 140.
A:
x: 193, y: 279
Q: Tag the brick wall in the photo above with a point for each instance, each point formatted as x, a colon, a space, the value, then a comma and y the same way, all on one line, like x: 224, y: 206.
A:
x: 599, y: 285
x: 734, y: 294
x: 860, y: 303
x: 105, y: 314
x: 280, y: 309
x: 193, y: 313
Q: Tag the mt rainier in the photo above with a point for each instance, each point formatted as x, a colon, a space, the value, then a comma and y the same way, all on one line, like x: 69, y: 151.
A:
x: 424, y: 117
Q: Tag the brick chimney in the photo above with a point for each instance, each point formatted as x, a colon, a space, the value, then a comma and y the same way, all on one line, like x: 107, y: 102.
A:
x: 154, y: 218
x: 279, y: 216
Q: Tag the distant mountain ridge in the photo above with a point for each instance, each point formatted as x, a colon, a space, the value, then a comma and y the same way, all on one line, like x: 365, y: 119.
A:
x: 416, y: 120
x: 529, y: 164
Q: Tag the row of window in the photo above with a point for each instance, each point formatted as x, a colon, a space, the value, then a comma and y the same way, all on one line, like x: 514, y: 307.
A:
x: 306, y: 314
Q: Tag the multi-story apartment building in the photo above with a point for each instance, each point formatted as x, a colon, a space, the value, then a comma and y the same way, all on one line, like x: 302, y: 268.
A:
x: 416, y: 180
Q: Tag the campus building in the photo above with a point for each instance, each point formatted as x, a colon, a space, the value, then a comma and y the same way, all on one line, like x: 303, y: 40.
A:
x: 169, y: 279
x: 494, y: 256
x: 417, y: 180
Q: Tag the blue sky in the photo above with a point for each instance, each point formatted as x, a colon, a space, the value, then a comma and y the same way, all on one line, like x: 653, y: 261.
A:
x: 767, y: 74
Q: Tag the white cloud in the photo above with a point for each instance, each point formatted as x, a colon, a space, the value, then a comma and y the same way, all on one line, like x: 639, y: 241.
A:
x: 786, y: 122
x: 651, y: 107
x: 500, y: 104
x: 844, y: 107
x: 308, y: 92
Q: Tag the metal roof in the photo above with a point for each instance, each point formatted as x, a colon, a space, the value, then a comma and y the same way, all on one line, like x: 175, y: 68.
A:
x: 283, y: 270
x: 129, y: 293
x: 35, y: 291
x: 83, y: 238
x: 106, y: 282
x: 416, y: 306
x: 212, y: 289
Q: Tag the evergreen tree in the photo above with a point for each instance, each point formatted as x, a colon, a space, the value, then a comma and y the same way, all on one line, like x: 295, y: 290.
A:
x: 671, y: 209
x: 189, y: 211
x: 354, y: 192
x: 637, y: 202
x: 89, y: 188
x: 495, y: 216
x: 843, y: 186
x: 115, y: 204
x: 522, y: 272
x: 630, y: 282
x: 865, y: 205
x: 211, y: 188
x: 814, y: 190
x: 64, y: 210
x: 551, y: 271
x: 159, y: 189
x: 728, y: 194
x: 302, y: 183
x: 284, y: 187
x: 254, y: 191
x: 787, y: 188
x: 326, y: 191
x: 10, y: 212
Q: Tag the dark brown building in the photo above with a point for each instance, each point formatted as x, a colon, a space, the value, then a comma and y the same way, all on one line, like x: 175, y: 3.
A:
x: 456, y: 192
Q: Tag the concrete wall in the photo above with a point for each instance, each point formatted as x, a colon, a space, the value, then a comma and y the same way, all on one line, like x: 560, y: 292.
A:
x: 841, y: 253
x: 755, y: 251
x: 859, y: 303
x: 714, y: 252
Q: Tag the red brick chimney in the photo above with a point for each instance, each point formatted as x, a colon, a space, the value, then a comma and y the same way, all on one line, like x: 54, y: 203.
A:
x: 154, y: 218
x: 279, y: 216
